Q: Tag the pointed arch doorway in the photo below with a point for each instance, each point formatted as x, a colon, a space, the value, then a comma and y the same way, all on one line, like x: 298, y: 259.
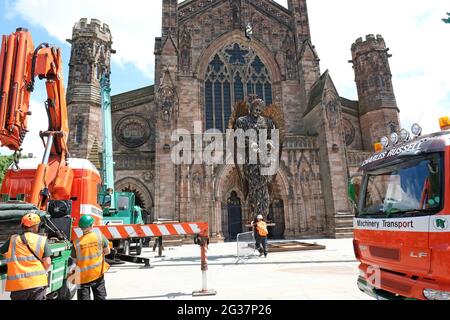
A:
x: 276, y: 216
x: 234, y: 216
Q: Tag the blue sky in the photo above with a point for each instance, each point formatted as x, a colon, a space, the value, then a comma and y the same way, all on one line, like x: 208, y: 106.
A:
x: 124, y: 77
x: 418, y: 39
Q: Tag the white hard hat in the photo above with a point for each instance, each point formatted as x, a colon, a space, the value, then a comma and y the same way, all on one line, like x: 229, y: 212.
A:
x: 260, y: 217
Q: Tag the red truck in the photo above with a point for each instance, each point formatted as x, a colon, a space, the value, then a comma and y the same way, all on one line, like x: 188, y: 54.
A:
x: 402, y: 223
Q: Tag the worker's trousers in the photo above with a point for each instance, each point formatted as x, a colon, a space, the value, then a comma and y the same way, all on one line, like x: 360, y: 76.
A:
x: 261, y: 245
x: 30, y: 294
x: 98, y: 289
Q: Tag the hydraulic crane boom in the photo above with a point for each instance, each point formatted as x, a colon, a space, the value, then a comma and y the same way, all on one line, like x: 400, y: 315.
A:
x: 108, y: 161
x: 20, y: 63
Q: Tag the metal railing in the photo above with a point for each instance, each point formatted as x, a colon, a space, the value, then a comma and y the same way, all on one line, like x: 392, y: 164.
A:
x: 245, y: 246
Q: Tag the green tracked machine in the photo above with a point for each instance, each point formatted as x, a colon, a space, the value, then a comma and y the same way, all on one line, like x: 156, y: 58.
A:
x: 57, y: 226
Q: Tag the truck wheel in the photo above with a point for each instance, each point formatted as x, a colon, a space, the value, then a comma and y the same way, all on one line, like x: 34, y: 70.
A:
x: 139, y: 247
x: 68, y: 289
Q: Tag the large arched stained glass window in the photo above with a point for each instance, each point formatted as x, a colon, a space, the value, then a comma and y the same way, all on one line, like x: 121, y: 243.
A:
x: 232, y: 75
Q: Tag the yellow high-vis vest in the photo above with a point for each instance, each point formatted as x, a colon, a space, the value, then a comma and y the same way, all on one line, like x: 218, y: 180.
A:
x: 25, y: 271
x: 90, y: 261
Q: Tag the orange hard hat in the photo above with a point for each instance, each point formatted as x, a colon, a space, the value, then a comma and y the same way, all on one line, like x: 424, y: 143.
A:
x: 30, y: 220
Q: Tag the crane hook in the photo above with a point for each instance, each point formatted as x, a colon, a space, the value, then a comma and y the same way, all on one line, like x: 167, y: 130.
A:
x: 16, y: 158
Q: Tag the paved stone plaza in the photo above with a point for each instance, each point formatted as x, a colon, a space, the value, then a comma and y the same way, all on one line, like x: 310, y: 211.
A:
x: 328, y: 274
x: 319, y: 275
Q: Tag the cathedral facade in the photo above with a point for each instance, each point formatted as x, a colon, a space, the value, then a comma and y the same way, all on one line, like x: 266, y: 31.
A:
x: 204, y: 64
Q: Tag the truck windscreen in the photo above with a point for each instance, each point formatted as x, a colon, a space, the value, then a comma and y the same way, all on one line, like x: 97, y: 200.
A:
x: 410, y: 188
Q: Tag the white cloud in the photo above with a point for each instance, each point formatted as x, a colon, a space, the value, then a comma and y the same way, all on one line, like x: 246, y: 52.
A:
x: 36, y: 122
x: 134, y: 24
x: 418, y: 39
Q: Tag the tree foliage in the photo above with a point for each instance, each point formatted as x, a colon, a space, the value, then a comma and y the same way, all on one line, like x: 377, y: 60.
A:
x: 447, y: 20
x: 5, y: 162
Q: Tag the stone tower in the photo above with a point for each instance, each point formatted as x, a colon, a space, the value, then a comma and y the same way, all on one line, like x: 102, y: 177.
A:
x: 379, y: 114
x: 301, y: 21
x: 166, y: 98
x: 300, y: 76
x: 90, y: 58
x: 169, y: 18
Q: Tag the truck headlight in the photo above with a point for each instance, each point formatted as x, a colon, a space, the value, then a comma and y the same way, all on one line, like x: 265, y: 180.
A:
x: 416, y: 129
x: 432, y: 294
x: 394, y: 138
x: 385, y: 142
x: 404, y: 135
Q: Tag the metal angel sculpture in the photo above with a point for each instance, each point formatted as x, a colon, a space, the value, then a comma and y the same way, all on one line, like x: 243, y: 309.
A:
x: 258, y: 151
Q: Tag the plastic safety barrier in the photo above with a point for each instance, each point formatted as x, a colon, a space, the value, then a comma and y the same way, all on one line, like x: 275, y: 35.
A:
x: 118, y: 232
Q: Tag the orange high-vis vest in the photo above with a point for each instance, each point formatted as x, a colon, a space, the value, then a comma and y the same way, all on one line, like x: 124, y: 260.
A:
x: 262, y: 228
x: 90, y: 261
x: 25, y: 271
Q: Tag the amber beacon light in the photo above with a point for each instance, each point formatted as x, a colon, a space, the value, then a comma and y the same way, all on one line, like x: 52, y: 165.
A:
x: 444, y: 123
x: 378, y: 147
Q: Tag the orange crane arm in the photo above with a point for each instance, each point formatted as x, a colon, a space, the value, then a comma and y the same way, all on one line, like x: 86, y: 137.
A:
x: 20, y: 63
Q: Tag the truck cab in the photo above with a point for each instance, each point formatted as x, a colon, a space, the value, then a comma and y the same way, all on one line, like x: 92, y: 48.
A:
x: 402, y: 222
x: 124, y: 212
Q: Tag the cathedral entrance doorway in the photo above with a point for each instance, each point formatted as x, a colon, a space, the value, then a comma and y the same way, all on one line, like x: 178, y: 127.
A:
x: 276, y: 216
x: 234, y: 216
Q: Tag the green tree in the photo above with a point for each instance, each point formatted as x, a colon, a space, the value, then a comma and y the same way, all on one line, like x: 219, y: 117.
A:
x: 447, y: 20
x: 5, y: 162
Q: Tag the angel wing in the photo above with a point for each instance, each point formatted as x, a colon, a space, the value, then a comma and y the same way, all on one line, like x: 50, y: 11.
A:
x: 240, y: 109
x: 276, y: 113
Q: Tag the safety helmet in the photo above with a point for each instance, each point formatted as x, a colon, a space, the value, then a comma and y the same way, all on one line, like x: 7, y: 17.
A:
x: 260, y: 217
x: 30, y: 220
x: 86, y: 221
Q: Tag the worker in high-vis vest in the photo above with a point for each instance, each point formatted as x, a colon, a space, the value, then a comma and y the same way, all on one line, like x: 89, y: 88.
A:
x: 28, y: 260
x: 89, y: 253
x: 261, y: 233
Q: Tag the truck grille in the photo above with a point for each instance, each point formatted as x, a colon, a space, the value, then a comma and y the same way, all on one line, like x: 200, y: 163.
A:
x: 404, y: 288
x: 385, y: 253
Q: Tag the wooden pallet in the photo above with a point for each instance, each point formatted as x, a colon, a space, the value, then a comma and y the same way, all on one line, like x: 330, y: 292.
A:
x: 294, y: 246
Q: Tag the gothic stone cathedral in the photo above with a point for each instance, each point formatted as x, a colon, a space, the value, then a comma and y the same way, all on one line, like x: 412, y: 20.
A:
x: 204, y: 64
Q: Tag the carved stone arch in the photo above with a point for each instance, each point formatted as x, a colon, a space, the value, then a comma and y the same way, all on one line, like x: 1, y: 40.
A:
x: 304, y: 174
x: 281, y: 182
x: 238, y: 191
x: 142, y: 193
x: 197, y: 176
x: 226, y: 182
x: 304, y: 163
x: 237, y: 36
x: 185, y: 52
x: 281, y: 201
